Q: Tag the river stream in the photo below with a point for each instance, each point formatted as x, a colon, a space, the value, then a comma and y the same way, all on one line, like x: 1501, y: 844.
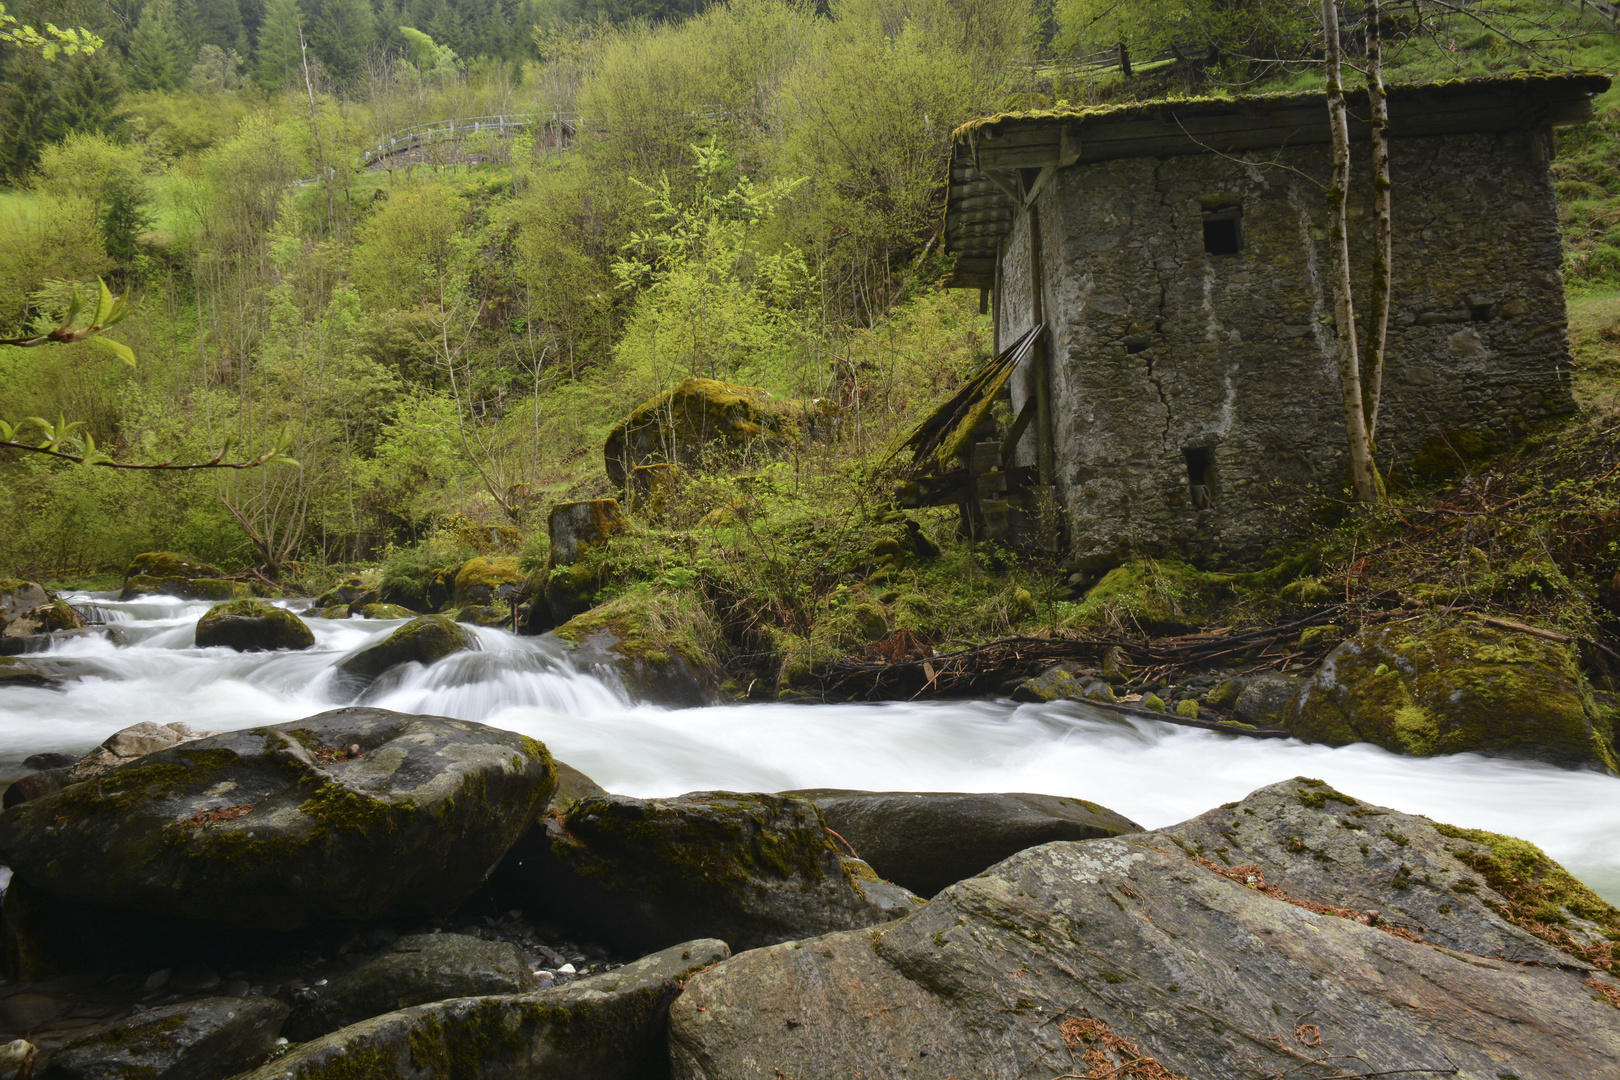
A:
x: 1155, y: 773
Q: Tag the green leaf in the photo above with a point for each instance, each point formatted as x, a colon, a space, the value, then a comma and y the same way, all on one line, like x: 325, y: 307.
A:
x: 104, y: 305
x: 120, y: 350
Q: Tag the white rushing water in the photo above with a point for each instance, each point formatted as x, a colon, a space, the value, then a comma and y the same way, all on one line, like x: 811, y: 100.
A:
x: 1155, y: 773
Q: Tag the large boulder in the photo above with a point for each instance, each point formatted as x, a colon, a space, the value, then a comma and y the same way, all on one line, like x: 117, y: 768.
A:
x: 568, y: 583
x: 423, y: 640
x: 662, y: 644
x: 638, y: 874
x: 699, y: 420
x: 1275, y: 936
x: 1450, y: 689
x: 486, y: 581
x: 17, y: 596
x: 194, y: 1040
x: 353, y: 593
x: 926, y: 840
x: 352, y: 814
x: 415, y: 970
x: 605, y: 1027
x: 158, y: 572
x: 252, y: 626
x: 49, y: 618
x: 127, y: 744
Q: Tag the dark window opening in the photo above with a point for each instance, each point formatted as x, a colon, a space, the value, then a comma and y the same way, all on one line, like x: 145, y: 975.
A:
x: 1482, y: 312
x: 1137, y: 343
x: 1223, y: 231
x: 1201, y: 476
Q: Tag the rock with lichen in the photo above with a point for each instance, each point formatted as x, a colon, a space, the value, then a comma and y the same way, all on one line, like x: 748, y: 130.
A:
x: 352, y: 814
x: 662, y: 645
x: 193, y: 1040
x: 423, y: 640
x: 610, y: 1026
x: 252, y: 626
x: 700, y: 423
x: 484, y: 581
x: 1451, y: 689
x: 160, y: 573
x: 127, y: 744
x: 1296, y: 926
x: 638, y: 874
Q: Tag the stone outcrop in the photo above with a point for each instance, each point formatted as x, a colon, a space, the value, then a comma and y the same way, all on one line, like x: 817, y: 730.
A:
x: 693, y: 425
x: 661, y: 644
x: 605, y: 1027
x: 423, y: 640
x: 1297, y: 932
x: 18, y: 596
x: 926, y: 840
x: 1452, y: 689
x: 352, y: 814
x: 568, y: 583
x: 160, y: 573
x: 415, y: 970
x: 486, y: 581
x: 252, y: 626
x: 195, y: 1040
x: 638, y: 874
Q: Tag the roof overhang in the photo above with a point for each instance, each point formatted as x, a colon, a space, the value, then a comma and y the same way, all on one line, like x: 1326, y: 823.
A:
x: 1002, y: 162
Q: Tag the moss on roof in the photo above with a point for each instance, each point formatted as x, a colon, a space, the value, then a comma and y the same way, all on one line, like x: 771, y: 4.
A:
x: 1594, y: 82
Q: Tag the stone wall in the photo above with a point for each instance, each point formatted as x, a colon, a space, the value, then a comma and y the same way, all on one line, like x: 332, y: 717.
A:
x: 1169, y: 360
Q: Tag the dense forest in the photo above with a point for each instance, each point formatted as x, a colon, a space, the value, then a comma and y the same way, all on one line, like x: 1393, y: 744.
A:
x: 442, y: 338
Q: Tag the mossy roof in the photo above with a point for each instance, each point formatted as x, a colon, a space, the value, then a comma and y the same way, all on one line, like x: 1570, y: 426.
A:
x: 1588, y: 82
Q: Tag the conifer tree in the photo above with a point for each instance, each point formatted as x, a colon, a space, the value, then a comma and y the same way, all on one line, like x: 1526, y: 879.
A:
x: 158, y: 57
x: 219, y: 22
x: 278, y: 60
x: 340, y: 34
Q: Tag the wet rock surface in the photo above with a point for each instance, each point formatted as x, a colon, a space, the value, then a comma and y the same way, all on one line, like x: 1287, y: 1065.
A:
x: 252, y: 626
x: 160, y: 573
x: 926, y: 840
x: 135, y: 741
x: 352, y: 814
x: 199, y: 1040
x: 604, y: 1027
x: 751, y: 869
x: 1079, y: 958
x: 422, y: 640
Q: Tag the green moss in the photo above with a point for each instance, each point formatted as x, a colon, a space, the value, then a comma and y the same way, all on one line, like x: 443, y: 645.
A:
x: 1187, y: 707
x: 478, y: 579
x: 340, y: 809
x: 1155, y: 595
x: 1153, y: 702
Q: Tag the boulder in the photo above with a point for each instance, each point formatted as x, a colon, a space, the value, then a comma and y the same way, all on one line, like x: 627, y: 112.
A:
x: 414, y: 970
x: 129, y: 743
x: 252, y: 626
x: 423, y: 640
x: 926, y: 840
x: 1264, y: 698
x: 195, y: 1040
x: 694, y: 424
x: 353, y: 593
x: 17, y: 596
x: 1274, y: 936
x: 605, y: 1027
x: 651, y: 489
x: 1064, y: 680
x: 386, y: 611
x: 487, y: 581
x: 1450, y: 689
x: 352, y: 814
x: 638, y: 874
x: 35, y: 785
x: 572, y: 786
x: 14, y: 672
x: 569, y: 582
x: 493, y: 615
x: 159, y: 573
x: 49, y: 618
x: 662, y: 644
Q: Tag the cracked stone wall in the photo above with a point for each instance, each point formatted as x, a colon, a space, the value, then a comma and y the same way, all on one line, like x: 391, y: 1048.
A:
x: 1160, y: 348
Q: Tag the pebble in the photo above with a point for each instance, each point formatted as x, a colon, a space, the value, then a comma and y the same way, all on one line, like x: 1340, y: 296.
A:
x: 566, y: 969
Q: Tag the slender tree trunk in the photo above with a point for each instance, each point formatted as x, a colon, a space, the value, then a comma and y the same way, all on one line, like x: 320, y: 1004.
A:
x: 1363, y: 475
x: 1382, y: 271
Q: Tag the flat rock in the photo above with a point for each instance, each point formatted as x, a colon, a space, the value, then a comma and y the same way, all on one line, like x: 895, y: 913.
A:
x: 353, y: 814
x: 926, y: 840
x: 1077, y: 957
x: 638, y: 874
x: 606, y: 1027
x: 194, y: 1040
x: 415, y: 970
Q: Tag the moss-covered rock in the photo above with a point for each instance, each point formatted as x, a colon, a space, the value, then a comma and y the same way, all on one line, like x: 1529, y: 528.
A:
x: 1446, y: 690
x: 423, y: 640
x: 161, y: 574
x: 750, y: 869
x: 610, y: 1026
x: 568, y: 584
x: 17, y: 596
x: 1159, y: 596
x: 353, y: 593
x: 386, y: 611
x: 695, y: 423
x: 848, y: 625
x: 1054, y: 684
x: 496, y: 615
x: 661, y: 643
x: 127, y: 744
x: 216, y: 1036
x: 252, y: 626
x: 47, y: 618
x: 352, y: 814
x: 15, y: 672
x: 485, y: 581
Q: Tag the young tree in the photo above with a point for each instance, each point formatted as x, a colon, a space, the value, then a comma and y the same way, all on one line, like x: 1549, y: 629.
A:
x: 158, y: 55
x: 279, y: 58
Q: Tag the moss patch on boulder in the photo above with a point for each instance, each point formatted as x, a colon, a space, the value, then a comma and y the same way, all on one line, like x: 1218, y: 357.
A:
x: 1446, y: 690
x: 252, y: 626
x: 479, y: 581
x: 422, y: 640
x: 1159, y: 596
x: 662, y: 642
x: 699, y: 419
x: 163, y: 574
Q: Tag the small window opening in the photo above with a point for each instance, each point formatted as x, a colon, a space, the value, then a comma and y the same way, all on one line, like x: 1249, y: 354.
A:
x: 1201, y: 476
x: 1482, y: 312
x: 1223, y: 231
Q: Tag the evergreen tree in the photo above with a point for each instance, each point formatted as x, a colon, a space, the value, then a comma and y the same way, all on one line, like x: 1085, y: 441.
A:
x: 340, y: 34
x: 278, y: 60
x: 158, y: 57
x: 219, y: 22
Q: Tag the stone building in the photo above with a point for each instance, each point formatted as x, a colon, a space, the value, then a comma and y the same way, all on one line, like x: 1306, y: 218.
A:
x: 1180, y: 392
